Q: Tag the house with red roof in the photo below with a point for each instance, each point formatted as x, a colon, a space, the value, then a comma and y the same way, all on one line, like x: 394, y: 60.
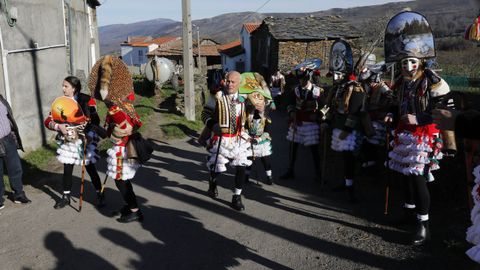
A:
x: 209, y: 53
x: 246, y: 39
x: 237, y: 54
x: 135, y: 49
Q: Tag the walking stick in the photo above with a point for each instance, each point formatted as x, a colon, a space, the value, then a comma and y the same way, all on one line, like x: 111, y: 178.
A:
x: 83, y: 175
x: 324, y: 159
x: 213, y: 168
x: 387, y: 186
x: 104, y: 183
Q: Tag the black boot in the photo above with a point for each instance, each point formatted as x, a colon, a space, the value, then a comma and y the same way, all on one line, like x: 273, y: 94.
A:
x: 64, y: 201
x: 129, y: 216
x: 422, y: 233
x: 288, y: 175
x: 269, y: 180
x: 212, y: 189
x: 351, y: 195
x: 237, y: 203
x: 100, y: 199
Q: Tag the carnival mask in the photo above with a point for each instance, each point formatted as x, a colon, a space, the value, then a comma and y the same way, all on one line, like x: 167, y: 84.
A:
x: 257, y: 100
x: 337, y: 76
x: 410, y: 67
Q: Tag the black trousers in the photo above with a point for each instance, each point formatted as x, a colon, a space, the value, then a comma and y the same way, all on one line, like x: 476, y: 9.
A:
x: 126, y: 190
x: 91, y: 170
x: 265, y: 162
x: 417, y: 193
x: 315, y: 154
x: 239, y: 176
x: 349, y: 164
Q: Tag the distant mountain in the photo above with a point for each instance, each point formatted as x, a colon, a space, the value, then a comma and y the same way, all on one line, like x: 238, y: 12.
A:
x: 111, y: 36
x: 447, y: 18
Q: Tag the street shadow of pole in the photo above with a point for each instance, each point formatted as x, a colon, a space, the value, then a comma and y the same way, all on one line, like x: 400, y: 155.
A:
x: 186, y: 244
x: 70, y: 257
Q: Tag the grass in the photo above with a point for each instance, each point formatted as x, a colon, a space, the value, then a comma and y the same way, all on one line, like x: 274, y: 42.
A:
x: 177, y: 126
x: 41, y: 157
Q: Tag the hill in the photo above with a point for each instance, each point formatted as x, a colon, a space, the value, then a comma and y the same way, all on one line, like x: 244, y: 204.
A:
x: 448, y: 18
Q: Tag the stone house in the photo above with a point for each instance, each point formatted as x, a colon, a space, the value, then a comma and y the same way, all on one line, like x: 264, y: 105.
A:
x: 209, y: 55
x: 282, y: 43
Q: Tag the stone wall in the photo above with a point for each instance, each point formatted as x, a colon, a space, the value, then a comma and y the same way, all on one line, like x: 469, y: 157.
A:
x: 291, y: 53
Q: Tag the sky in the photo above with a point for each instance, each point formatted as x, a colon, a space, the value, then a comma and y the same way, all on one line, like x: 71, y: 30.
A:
x: 129, y: 11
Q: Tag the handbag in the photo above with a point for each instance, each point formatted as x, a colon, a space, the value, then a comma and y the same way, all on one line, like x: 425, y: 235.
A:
x: 142, y: 147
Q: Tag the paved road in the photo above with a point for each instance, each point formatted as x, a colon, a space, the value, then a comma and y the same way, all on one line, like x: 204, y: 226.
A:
x: 290, y: 225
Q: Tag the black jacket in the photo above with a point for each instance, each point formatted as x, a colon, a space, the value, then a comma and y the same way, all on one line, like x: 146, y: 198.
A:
x: 12, y: 123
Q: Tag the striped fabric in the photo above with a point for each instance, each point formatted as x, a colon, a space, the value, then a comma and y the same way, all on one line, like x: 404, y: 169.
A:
x: 5, y: 127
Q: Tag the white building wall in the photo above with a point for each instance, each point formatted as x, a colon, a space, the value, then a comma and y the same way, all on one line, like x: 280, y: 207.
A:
x: 246, y: 44
x: 134, y: 56
x: 230, y: 63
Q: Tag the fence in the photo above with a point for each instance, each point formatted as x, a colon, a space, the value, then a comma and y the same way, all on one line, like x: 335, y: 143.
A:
x: 463, y: 84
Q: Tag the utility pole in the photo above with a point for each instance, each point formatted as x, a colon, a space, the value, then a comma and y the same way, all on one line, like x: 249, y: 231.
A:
x: 188, y: 86
x: 199, y: 60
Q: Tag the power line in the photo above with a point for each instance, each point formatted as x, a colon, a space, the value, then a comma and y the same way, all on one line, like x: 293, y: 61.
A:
x: 264, y: 4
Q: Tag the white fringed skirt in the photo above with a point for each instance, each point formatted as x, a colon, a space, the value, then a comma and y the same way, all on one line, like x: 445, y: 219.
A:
x: 416, y: 153
x: 234, y: 150
x: 308, y: 133
x: 351, y: 143
x: 473, y: 232
x: 119, y: 167
x: 72, y: 152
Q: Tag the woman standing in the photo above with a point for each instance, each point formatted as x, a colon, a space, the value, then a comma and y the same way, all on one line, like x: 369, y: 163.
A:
x: 71, y: 138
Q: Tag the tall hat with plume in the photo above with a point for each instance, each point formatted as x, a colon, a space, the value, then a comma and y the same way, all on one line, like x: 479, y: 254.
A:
x: 111, y: 81
x: 254, y: 82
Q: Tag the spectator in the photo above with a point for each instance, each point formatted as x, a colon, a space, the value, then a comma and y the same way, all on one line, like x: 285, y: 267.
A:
x: 9, y: 143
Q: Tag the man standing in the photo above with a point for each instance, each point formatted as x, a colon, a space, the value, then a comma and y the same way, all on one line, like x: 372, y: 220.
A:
x: 305, y: 116
x: 9, y: 143
x: 230, y: 142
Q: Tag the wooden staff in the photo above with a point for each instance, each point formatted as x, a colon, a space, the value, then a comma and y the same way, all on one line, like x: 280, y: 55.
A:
x: 387, y: 184
x: 324, y: 158
x: 213, y: 168
x: 83, y: 174
x: 104, y: 183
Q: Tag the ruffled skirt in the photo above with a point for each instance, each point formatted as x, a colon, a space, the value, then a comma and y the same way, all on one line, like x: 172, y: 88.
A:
x: 234, y: 150
x: 473, y: 232
x: 416, y: 152
x: 380, y: 132
x: 72, y: 152
x: 262, y: 149
x: 308, y: 133
x: 119, y: 167
x: 351, y: 143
